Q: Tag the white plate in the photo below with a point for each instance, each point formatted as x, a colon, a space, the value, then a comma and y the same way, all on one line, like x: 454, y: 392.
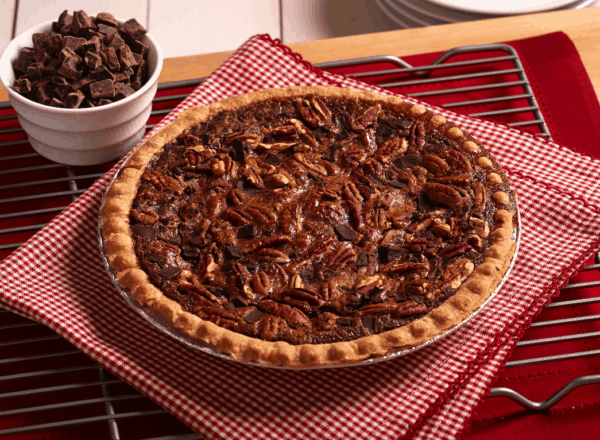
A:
x: 503, y: 7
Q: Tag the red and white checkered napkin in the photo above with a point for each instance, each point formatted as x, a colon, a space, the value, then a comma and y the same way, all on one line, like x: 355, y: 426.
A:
x: 58, y: 278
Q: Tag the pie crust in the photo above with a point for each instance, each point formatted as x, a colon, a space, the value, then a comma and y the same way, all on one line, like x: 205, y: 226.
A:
x: 471, y: 293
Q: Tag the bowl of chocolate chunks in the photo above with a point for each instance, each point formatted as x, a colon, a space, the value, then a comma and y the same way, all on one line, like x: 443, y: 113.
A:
x: 82, y: 86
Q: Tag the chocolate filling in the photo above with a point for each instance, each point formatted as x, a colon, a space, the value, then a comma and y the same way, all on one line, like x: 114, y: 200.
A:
x: 312, y: 221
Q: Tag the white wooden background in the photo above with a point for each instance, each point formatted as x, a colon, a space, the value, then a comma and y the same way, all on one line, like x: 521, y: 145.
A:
x: 190, y: 27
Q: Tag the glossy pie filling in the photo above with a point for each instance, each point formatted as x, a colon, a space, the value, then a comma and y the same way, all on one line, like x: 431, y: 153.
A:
x: 315, y: 220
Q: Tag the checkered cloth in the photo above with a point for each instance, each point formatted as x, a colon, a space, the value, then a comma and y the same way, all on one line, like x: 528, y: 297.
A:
x: 429, y: 394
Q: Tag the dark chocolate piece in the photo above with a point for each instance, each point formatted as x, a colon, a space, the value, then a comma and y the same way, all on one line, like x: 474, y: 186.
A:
x: 110, y: 59
x: 107, y: 19
x: 168, y: 272
x: 409, y: 161
x: 399, y: 123
x: 25, y: 58
x: 93, y: 60
x: 124, y: 92
x: 233, y: 252
x: 102, y: 73
x: 74, y: 43
x: 253, y: 316
x: 344, y: 233
x: 126, y: 58
x: 362, y: 260
x: 273, y: 159
x: 144, y: 231
x: 94, y: 45
x: 102, y: 89
x: 134, y: 29
x: 368, y: 322
x: 397, y: 184
x: 159, y: 259
x: 40, y: 41
x: 81, y: 23
x: 388, y: 254
x: 22, y: 86
x: 57, y: 103
x: 345, y: 322
x: 246, y: 232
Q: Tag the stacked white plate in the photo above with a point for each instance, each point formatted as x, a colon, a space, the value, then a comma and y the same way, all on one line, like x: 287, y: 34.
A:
x: 417, y: 13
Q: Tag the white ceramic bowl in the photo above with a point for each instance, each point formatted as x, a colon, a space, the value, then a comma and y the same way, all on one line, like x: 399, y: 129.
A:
x: 85, y: 136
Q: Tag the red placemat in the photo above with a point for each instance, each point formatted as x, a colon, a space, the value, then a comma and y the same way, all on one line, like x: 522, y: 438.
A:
x: 429, y: 394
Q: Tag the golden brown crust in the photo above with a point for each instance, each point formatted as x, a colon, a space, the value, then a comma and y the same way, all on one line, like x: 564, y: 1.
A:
x: 119, y: 251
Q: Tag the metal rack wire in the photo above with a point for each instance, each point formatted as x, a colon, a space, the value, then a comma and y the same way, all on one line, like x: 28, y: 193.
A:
x: 48, y: 386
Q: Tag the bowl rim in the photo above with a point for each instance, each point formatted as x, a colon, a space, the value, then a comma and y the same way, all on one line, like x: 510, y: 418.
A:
x: 66, y: 111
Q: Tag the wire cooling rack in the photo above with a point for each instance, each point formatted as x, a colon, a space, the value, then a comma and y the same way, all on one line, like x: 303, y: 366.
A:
x: 48, y: 389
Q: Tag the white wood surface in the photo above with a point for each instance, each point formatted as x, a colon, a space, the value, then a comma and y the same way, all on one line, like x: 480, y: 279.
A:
x: 184, y: 27
x: 32, y: 12
x: 309, y: 20
x: 7, y: 11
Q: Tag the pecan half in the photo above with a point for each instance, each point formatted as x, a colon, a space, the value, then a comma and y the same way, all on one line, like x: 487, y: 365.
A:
x: 444, y: 194
x: 409, y: 308
x: 435, y: 164
x: 294, y: 317
x: 272, y: 255
x: 366, y: 119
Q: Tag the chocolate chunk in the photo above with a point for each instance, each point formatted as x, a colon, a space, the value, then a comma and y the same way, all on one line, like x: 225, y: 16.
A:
x: 126, y: 58
x: 102, y: 73
x: 168, y: 272
x: 155, y: 258
x: 42, y: 56
x: 134, y: 29
x: 229, y: 306
x: 253, y: 316
x: 409, y: 161
x: 138, y: 47
x: 397, y: 184
x: 115, y: 42
x: 368, y: 322
x: 183, y: 228
x: 34, y: 71
x: 107, y: 19
x: 60, y: 81
x: 198, y: 241
x: 63, y: 91
x: 74, y: 43
x: 110, y: 59
x: 40, y: 41
x: 169, y: 235
x: 105, y: 29
x: 68, y: 69
x: 190, y: 255
x: 399, y: 123
x: 57, y: 103
x: 124, y: 92
x: 54, y: 44
x: 246, y: 188
x: 376, y: 181
x: 22, y: 86
x: 124, y: 75
x: 363, y: 240
x: 273, y: 159
x: 144, y: 231
x: 237, y: 152
x: 44, y: 95
x: 102, y: 89
x: 64, y: 19
x: 344, y: 233
x: 238, y: 303
x: 83, y: 83
x: 362, y: 260
x: 388, y: 254
x: 104, y: 101
x: 431, y: 148
x: 307, y: 274
x: 93, y: 45
x: 81, y: 23
x: 345, y: 322
x: 320, y: 133
x: 93, y: 60
x: 25, y: 58
x: 246, y: 232
x: 233, y: 252
x: 383, y: 133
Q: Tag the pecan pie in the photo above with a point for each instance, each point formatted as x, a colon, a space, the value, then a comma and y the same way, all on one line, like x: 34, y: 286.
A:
x: 310, y: 225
